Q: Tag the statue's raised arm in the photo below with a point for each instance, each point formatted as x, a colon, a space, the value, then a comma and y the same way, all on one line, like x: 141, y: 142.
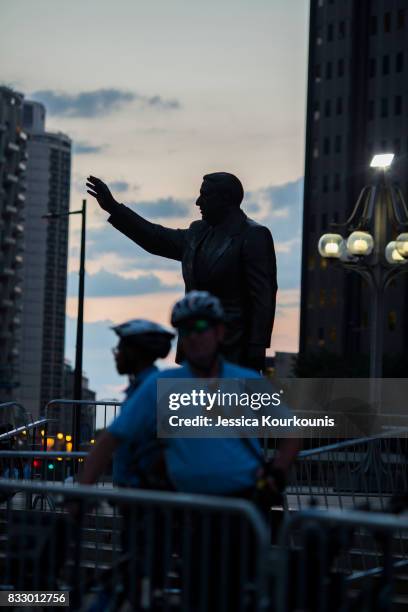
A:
x: 152, y: 237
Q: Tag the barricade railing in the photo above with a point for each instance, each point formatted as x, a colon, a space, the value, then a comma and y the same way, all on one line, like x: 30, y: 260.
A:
x: 340, y: 560
x: 152, y: 549
x: 92, y: 415
x: 351, y: 473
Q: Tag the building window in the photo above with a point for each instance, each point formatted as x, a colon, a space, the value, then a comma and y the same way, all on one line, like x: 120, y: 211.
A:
x: 387, y: 22
x: 317, y: 73
x: 325, y: 183
x: 322, y: 297
x: 315, y: 149
x: 333, y: 334
x: 384, y: 107
x: 392, y: 320
x: 401, y: 19
x: 316, y: 111
x: 398, y: 105
x: 399, y: 62
x: 324, y: 221
x: 340, y: 68
x: 329, y: 70
x: 337, y: 146
x: 334, y: 296
x: 323, y: 263
x: 371, y: 109
x: 320, y: 335
x: 386, y: 64
x: 339, y: 106
x: 373, y: 25
x: 372, y: 67
x: 311, y: 262
x: 326, y: 146
x: 342, y: 29
x: 320, y: 3
x: 330, y: 32
x: 312, y: 224
x: 327, y: 108
x: 337, y: 182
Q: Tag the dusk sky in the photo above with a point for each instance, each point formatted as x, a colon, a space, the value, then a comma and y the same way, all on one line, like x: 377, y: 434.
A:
x: 154, y: 95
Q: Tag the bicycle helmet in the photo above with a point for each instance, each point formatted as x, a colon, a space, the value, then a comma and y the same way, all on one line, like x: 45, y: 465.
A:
x: 153, y: 338
x: 197, y: 304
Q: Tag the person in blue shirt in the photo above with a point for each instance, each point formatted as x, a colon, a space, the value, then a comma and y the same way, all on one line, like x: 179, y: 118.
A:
x: 218, y: 466
x: 141, y: 343
x: 212, y: 466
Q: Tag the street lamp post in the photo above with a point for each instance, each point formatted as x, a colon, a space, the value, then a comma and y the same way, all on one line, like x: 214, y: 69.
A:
x: 367, y: 252
x: 80, y: 323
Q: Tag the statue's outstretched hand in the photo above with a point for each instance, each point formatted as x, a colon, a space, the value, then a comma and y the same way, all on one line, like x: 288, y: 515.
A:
x: 99, y: 190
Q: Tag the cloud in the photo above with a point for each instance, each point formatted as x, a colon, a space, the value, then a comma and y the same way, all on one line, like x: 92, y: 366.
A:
x: 106, y: 284
x: 280, y: 209
x: 85, y: 148
x: 163, y: 208
x: 120, y: 186
x: 97, y: 103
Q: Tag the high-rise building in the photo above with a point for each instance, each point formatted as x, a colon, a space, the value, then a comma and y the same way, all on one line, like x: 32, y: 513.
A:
x: 12, y: 187
x: 45, y: 264
x: 357, y: 105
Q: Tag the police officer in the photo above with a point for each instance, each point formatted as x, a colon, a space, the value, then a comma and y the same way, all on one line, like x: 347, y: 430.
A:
x: 141, y: 343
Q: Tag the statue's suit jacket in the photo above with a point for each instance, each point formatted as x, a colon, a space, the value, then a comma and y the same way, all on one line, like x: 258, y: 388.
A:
x: 240, y: 264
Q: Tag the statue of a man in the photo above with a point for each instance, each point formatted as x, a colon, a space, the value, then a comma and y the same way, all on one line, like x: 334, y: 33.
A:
x: 225, y: 253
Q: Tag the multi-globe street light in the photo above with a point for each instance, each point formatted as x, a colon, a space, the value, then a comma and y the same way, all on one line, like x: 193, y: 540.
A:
x: 370, y: 249
x: 367, y: 250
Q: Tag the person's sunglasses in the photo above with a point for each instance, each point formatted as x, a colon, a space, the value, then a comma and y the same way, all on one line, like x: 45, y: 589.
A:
x: 198, y: 326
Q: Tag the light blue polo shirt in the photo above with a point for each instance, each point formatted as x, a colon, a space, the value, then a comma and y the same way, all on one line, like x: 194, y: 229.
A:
x: 124, y: 460
x: 194, y: 465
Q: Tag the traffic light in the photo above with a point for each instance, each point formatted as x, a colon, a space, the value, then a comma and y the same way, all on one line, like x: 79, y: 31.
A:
x: 51, y: 465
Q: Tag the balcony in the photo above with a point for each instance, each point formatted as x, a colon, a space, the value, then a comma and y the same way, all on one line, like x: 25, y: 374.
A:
x: 12, y: 147
x: 8, y: 272
x: 21, y: 167
x: 21, y: 198
x: 10, y: 210
x: 5, y: 303
x: 9, y: 241
x: 18, y: 261
x: 10, y: 178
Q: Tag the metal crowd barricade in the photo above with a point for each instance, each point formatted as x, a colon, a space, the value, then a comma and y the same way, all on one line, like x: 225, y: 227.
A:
x: 155, y: 550
x: 351, y: 473
x: 93, y: 416
x: 319, y: 557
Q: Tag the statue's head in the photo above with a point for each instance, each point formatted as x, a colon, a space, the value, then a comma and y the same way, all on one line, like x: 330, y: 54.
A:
x: 220, y: 193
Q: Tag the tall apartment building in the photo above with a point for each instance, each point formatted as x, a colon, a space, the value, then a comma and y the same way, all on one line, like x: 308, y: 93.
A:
x: 45, y: 263
x: 12, y: 187
x: 357, y: 105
